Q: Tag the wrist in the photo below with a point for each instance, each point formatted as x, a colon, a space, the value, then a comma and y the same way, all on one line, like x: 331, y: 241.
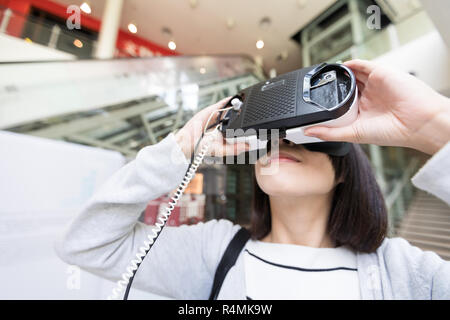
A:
x: 184, y: 142
x: 435, y: 133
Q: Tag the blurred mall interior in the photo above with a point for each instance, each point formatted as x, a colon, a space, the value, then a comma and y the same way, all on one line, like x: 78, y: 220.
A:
x: 80, y: 95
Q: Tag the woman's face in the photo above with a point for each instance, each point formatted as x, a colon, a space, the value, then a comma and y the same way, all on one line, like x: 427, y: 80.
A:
x: 294, y: 171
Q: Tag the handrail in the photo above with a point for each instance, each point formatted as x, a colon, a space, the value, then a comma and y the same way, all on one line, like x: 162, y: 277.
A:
x: 184, y: 56
x: 78, y: 129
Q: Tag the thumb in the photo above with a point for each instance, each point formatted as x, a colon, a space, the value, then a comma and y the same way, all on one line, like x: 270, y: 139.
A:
x: 345, y: 134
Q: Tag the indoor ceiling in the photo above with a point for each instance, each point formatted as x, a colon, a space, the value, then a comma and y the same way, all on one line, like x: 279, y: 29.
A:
x: 222, y: 27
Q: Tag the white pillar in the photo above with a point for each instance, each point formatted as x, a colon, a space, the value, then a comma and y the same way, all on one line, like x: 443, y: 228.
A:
x: 106, y: 45
x: 5, y: 21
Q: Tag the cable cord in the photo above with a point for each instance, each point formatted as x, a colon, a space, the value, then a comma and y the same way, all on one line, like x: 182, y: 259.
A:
x: 128, y: 276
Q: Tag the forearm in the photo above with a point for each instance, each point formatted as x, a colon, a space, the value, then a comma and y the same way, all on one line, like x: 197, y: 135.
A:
x: 435, y: 133
x: 106, y: 234
x: 433, y: 138
x: 434, y: 176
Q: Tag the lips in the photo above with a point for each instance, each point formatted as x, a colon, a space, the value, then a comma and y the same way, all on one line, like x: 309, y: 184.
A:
x: 283, y: 157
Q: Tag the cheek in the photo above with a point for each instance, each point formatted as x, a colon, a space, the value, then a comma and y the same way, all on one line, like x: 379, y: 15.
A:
x: 313, y: 176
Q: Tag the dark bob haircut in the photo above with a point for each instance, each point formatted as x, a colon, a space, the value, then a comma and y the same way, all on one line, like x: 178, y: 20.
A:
x: 358, y: 216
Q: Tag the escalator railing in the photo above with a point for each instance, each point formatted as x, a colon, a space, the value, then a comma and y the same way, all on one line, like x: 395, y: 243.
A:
x: 120, y: 104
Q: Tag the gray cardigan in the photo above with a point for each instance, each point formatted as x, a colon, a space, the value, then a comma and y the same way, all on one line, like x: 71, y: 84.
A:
x: 106, y: 235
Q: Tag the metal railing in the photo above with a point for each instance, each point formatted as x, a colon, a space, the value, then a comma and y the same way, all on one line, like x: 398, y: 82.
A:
x: 128, y: 127
x: 399, y: 198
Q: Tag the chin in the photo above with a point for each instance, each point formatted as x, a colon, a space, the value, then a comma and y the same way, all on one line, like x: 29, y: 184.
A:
x: 294, y: 180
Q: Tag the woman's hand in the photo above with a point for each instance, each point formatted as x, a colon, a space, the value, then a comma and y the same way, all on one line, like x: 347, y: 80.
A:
x: 188, y: 136
x: 395, y: 109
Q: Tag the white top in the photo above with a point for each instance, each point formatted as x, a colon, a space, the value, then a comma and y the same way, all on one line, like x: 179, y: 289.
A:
x: 286, y: 271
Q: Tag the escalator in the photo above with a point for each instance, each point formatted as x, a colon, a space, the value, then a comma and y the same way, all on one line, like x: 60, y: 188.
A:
x: 120, y: 104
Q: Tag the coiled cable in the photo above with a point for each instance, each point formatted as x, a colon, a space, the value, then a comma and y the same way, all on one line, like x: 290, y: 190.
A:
x: 128, y: 276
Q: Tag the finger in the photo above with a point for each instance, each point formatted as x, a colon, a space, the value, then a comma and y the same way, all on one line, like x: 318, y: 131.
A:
x: 223, y: 148
x: 361, y: 66
x: 235, y: 149
x: 361, y: 77
x: 216, y: 106
x: 217, y: 142
x: 219, y: 149
x: 222, y: 103
x: 345, y: 134
x: 361, y: 86
x: 212, y: 110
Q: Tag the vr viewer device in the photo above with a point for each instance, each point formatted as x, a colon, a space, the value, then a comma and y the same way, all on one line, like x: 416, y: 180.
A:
x: 324, y: 94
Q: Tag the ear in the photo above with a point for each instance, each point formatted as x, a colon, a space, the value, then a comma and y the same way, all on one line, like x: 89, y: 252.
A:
x: 339, y: 180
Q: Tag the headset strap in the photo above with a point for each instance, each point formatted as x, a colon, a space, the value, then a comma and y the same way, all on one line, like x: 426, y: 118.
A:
x: 228, y: 260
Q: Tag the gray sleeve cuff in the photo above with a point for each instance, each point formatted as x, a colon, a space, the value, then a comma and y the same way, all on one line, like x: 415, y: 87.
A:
x: 434, y: 176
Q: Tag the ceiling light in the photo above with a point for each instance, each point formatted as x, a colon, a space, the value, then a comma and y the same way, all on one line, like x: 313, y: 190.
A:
x: 86, y: 8
x: 202, y: 70
x: 193, y: 3
x: 230, y: 23
x: 172, y: 45
x: 132, y: 28
x: 259, y: 44
x: 302, y: 3
x: 77, y: 43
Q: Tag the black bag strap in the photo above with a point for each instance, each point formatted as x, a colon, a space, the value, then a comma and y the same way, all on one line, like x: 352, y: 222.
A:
x: 228, y: 260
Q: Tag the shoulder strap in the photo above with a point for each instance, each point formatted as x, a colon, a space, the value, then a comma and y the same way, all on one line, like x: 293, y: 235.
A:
x: 228, y: 260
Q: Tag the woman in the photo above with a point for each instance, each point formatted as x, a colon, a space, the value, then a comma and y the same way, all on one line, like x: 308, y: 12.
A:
x: 325, y: 237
